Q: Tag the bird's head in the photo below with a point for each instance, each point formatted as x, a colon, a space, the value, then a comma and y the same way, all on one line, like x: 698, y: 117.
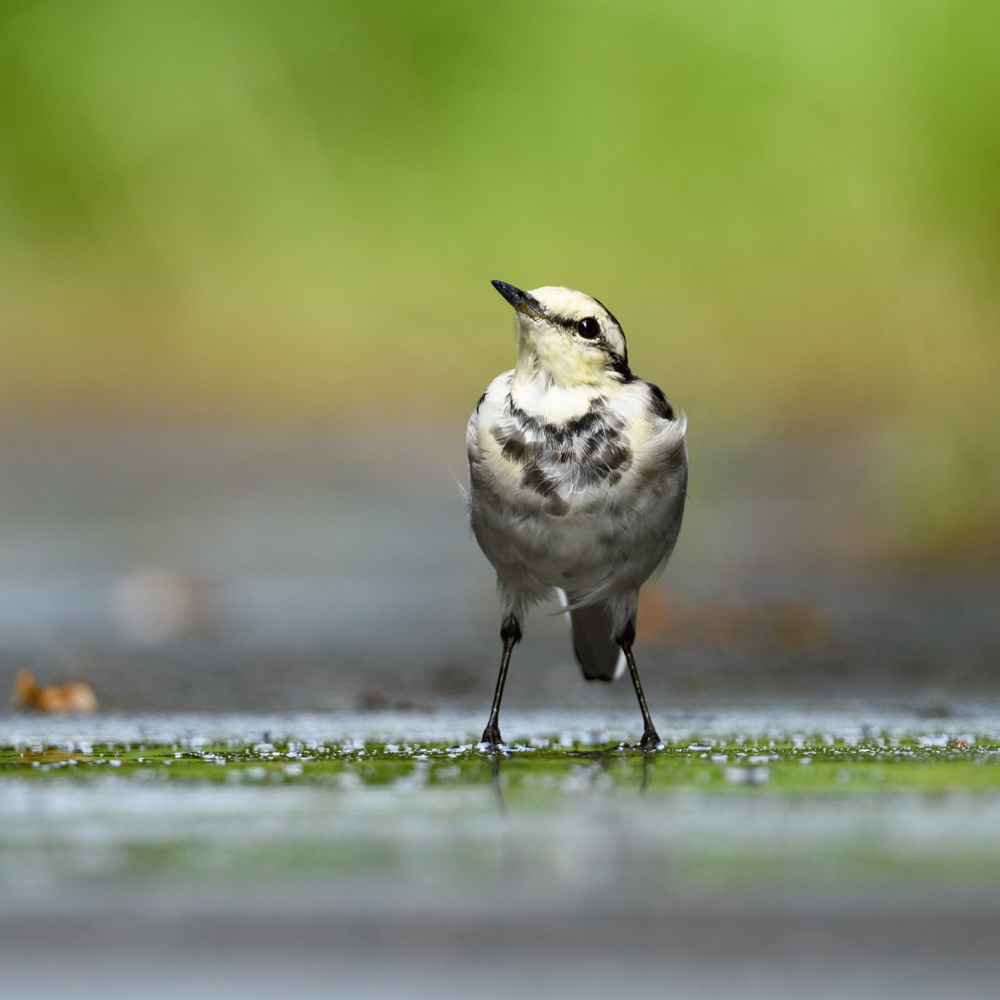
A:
x: 567, y: 338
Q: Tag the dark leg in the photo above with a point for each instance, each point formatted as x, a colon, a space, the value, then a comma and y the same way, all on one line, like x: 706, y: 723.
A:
x: 650, y: 739
x: 510, y: 632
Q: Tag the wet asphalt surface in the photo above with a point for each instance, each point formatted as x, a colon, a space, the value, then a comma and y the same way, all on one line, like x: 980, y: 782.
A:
x: 222, y: 573
x: 591, y: 894
x: 752, y: 947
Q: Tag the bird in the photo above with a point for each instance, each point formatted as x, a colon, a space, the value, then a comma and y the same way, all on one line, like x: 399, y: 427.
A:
x: 578, y: 477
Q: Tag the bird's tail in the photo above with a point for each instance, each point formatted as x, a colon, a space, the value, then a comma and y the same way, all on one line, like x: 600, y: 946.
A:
x: 599, y: 656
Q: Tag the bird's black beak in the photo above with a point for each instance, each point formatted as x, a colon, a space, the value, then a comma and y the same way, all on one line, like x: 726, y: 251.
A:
x: 517, y: 297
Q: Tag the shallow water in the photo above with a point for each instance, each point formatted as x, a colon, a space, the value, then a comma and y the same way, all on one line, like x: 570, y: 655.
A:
x: 257, y: 834
x: 570, y: 797
x: 762, y: 852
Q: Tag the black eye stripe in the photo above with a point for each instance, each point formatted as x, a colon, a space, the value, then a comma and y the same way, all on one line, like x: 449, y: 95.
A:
x: 616, y: 362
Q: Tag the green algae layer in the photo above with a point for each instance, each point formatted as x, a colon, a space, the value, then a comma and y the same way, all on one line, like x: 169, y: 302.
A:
x: 543, y: 768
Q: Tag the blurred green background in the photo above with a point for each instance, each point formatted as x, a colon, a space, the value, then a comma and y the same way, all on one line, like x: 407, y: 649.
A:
x: 261, y: 212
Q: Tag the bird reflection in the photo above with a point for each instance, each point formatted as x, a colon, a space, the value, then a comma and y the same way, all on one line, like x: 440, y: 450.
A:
x: 647, y: 772
x: 494, y: 759
x: 648, y: 766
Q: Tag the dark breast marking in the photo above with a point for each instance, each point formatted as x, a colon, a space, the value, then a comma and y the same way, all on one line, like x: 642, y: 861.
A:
x: 514, y: 444
x: 559, y: 459
x: 535, y: 478
x: 557, y: 433
x: 614, y: 455
x: 514, y: 448
x: 606, y: 458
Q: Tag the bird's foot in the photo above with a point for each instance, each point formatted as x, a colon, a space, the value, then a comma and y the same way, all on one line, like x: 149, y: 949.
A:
x: 650, y: 740
x: 492, y: 739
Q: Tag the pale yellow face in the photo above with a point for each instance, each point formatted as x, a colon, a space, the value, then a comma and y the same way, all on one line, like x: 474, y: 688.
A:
x: 569, y: 336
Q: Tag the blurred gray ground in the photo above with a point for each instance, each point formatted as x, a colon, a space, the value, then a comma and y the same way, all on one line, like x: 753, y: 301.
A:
x: 204, y: 570
x: 262, y: 947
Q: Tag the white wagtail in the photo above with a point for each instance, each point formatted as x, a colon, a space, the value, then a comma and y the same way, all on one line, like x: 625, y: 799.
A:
x: 578, y: 475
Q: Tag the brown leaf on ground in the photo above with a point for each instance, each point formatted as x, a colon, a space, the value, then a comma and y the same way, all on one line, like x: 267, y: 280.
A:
x: 74, y: 696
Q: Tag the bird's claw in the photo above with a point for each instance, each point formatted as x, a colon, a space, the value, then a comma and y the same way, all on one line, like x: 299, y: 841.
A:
x: 650, y: 740
x: 492, y: 740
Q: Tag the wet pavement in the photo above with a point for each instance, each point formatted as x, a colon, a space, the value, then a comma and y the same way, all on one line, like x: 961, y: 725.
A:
x: 226, y: 572
x: 923, y: 947
x: 253, y: 855
x: 226, y: 592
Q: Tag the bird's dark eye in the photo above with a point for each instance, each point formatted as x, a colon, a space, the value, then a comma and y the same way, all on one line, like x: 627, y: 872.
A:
x: 589, y: 328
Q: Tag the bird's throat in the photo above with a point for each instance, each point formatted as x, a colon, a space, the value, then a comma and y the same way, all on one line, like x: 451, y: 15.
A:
x: 539, y: 395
